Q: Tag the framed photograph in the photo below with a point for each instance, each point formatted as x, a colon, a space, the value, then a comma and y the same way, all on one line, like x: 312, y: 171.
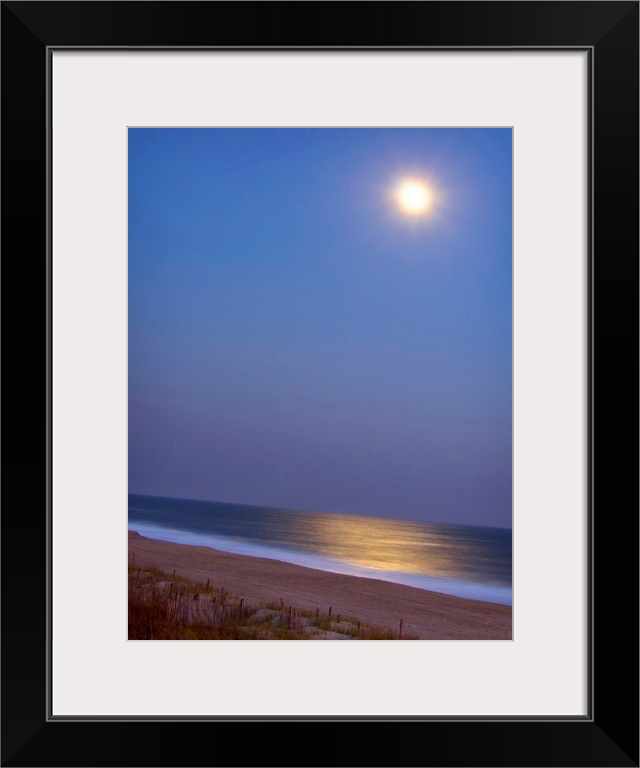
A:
x: 351, y: 297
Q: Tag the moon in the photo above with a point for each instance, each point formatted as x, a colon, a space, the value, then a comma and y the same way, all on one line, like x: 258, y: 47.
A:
x: 414, y: 197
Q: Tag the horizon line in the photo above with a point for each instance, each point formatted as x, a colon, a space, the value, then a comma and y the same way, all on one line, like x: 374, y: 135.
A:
x: 321, y: 512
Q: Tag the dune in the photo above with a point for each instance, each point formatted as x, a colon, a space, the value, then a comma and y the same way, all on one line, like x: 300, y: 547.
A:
x: 427, y: 615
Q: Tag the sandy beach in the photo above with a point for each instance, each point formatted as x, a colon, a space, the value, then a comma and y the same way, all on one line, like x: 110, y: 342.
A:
x: 429, y: 615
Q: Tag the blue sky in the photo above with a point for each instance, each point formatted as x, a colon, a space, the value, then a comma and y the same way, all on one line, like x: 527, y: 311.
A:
x: 297, y: 340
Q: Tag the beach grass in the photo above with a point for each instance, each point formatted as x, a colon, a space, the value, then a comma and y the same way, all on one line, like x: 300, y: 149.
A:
x: 166, y: 606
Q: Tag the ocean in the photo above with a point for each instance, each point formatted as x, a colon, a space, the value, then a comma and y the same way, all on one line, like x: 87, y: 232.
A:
x: 467, y: 561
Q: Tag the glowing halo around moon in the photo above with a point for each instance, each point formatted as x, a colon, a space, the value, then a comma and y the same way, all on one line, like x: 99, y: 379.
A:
x: 414, y: 197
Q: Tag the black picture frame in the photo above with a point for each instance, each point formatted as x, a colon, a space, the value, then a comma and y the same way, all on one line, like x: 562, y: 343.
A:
x: 608, y: 735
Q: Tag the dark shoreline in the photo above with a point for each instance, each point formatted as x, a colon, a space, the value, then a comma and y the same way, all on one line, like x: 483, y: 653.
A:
x: 429, y: 615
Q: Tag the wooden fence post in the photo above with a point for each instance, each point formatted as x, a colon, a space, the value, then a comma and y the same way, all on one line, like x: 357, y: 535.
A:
x: 400, y: 632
